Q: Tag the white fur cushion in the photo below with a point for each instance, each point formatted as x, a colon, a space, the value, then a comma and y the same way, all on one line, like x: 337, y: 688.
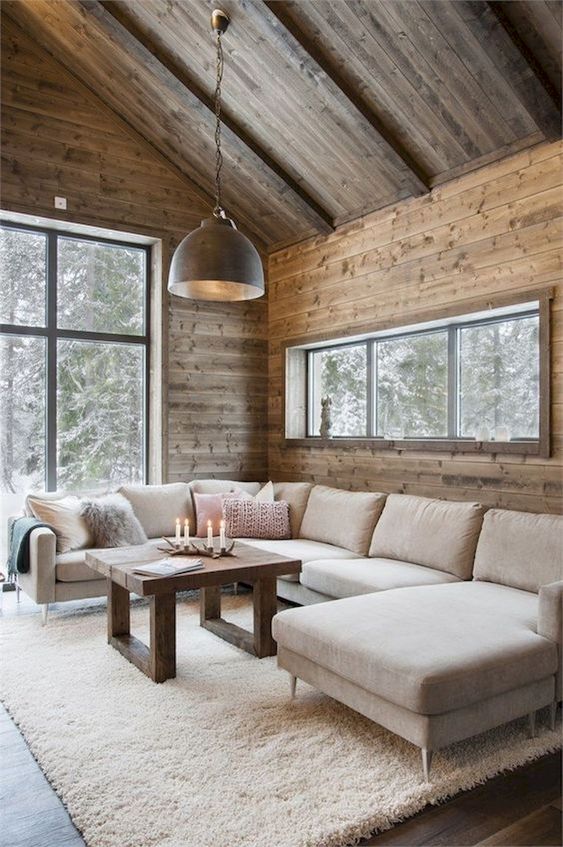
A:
x: 112, y: 521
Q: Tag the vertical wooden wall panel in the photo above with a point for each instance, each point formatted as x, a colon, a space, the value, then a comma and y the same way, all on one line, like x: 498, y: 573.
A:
x: 58, y: 139
x: 493, y: 231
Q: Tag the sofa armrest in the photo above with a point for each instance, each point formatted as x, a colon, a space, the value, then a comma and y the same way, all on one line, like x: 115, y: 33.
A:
x: 550, y: 622
x: 39, y: 582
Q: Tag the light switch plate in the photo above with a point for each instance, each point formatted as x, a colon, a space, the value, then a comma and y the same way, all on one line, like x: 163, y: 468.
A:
x: 60, y: 202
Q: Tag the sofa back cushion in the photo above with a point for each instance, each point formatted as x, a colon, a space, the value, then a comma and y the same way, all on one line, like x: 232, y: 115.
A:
x: 434, y: 533
x: 224, y: 486
x: 343, y: 518
x: 158, y: 506
x: 520, y: 549
x: 62, y: 513
x: 296, y: 494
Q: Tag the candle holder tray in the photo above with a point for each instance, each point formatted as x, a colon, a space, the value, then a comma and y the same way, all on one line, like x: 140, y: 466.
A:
x: 198, y: 548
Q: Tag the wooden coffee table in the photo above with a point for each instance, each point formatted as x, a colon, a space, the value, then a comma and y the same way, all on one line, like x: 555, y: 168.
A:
x: 158, y: 661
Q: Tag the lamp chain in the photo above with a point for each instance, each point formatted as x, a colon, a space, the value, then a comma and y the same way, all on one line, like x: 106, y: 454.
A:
x: 218, y: 210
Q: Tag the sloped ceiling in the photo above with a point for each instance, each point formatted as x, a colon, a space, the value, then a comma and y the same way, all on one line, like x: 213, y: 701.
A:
x: 331, y: 108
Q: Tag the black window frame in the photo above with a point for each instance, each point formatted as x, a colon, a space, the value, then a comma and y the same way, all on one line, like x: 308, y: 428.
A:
x: 53, y: 333
x: 296, y: 407
x: 452, y: 332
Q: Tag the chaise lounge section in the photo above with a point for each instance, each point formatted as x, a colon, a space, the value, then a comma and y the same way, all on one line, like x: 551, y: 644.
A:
x: 440, y: 663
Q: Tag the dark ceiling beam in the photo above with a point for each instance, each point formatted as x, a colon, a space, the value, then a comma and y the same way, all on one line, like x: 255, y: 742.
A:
x: 117, y: 10
x: 420, y: 180
x: 549, y: 124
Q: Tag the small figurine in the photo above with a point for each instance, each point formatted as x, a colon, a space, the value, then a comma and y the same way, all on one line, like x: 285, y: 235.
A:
x: 326, y: 423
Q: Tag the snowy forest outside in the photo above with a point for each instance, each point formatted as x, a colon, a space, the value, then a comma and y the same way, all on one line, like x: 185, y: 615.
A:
x: 100, y: 384
x: 496, y: 386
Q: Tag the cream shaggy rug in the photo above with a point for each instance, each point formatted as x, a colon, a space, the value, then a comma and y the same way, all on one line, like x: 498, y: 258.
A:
x: 218, y: 757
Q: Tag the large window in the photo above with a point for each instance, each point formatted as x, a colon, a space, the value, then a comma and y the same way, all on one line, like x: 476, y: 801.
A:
x: 474, y: 377
x: 73, y: 360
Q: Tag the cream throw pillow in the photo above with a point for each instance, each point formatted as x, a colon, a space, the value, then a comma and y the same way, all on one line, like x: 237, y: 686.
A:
x: 63, y: 515
x: 266, y: 494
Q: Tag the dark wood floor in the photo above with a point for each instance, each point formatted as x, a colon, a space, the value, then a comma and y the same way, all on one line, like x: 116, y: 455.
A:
x: 519, y: 809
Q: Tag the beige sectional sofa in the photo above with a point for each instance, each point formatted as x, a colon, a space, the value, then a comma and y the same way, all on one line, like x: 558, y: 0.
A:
x: 446, y: 621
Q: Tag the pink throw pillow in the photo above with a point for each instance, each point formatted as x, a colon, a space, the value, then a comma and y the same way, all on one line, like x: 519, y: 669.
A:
x: 249, y: 519
x: 209, y: 507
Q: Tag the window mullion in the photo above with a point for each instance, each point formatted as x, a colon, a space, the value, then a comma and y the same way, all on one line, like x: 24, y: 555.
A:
x: 452, y: 382
x: 51, y: 404
x: 369, y: 389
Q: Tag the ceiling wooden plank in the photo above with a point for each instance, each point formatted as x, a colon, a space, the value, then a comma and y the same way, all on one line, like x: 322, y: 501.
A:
x: 539, y: 27
x: 549, y: 121
x: 119, y: 12
x: 419, y: 178
x: 127, y: 78
x: 284, y: 100
x: 9, y: 7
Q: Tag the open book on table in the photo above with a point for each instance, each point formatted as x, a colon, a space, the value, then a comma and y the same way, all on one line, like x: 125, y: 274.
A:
x: 165, y: 567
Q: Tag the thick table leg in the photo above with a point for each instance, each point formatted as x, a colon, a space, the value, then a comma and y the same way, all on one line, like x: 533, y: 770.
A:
x: 162, y: 659
x: 118, y: 610
x: 209, y: 603
x: 265, y: 607
x: 159, y: 660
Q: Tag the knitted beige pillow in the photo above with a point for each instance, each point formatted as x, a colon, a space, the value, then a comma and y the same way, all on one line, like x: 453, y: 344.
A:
x: 249, y: 519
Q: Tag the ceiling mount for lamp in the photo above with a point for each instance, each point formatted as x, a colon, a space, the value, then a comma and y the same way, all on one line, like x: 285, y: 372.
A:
x: 219, y: 21
x: 216, y: 261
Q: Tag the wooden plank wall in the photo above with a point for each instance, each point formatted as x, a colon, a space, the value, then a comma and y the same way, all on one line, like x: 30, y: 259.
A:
x: 495, y: 230
x: 58, y: 139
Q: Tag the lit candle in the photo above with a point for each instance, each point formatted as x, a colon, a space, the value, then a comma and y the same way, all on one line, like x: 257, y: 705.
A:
x: 222, y: 544
x: 186, y: 533
x: 178, y: 532
x: 209, y: 534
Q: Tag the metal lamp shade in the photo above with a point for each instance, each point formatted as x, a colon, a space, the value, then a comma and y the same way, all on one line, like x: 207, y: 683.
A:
x: 216, y: 262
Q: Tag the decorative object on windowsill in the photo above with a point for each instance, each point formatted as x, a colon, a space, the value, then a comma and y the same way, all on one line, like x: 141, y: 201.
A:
x: 502, y: 433
x: 216, y: 261
x: 200, y: 548
x: 326, y: 418
x: 483, y: 433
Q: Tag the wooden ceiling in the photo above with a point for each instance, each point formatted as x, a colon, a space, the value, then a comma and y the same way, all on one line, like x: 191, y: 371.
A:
x: 332, y: 108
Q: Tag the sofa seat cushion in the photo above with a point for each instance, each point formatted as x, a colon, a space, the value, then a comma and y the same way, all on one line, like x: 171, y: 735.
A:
x: 346, y: 578
x: 435, y: 533
x: 432, y: 648
x: 70, y: 567
x: 300, y: 548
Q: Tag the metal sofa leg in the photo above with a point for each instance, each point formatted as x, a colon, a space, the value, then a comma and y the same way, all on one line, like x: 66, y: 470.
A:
x: 426, y: 763
x: 18, y: 592
x: 292, y: 686
x: 44, y: 613
x: 532, y: 724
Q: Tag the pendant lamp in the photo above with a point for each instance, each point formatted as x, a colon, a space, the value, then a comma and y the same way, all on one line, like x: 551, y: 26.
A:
x: 216, y: 261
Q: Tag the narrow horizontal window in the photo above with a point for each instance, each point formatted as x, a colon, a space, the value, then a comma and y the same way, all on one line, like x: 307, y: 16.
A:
x: 470, y: 378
